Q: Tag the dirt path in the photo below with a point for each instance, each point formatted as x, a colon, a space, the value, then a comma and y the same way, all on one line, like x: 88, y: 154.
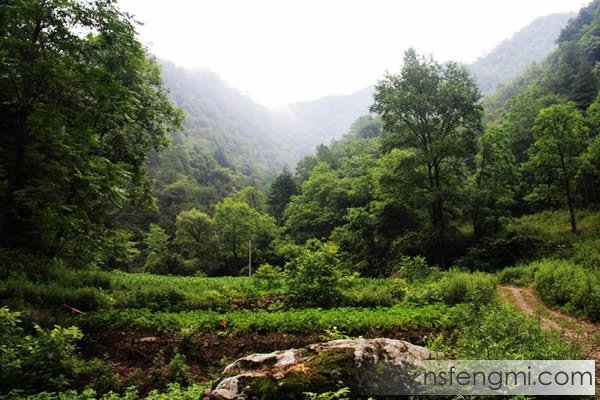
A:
x: 585, y: 332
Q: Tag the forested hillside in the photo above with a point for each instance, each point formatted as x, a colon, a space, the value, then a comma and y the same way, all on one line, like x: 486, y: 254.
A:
x: 568, y: 72
x: 149, y: 238
x: 510, y: 58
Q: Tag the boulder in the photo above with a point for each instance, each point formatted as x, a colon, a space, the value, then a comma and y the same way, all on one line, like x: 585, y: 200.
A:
x: 358, y: 364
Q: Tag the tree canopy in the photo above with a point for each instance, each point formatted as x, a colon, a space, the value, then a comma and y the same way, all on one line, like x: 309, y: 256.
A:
x: 81, y: 106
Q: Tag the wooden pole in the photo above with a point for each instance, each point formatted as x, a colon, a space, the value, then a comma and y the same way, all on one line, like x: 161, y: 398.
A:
x: 250, y: 256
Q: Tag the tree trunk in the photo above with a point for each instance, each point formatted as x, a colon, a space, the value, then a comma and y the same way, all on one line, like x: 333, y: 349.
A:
x: 571, y: 206
x: 440, y: 222
x: 11, y: 226
x: 570, y: 202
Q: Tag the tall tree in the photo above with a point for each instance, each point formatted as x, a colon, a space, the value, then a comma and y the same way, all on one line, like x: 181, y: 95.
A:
x: 493, y: 183
x: 281, y: 191
x: 252, y: 196
x: 157, y: 249
x: 197, y: 240
x: 434, y: 109
x: 78, y: 114
x: 235, y: 223
x: 560, y: 138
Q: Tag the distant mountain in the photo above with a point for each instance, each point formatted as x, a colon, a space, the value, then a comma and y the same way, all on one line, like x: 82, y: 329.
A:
x: 252, y: 141
x: 509, y: 59
x: 310, y: 123
x: 238, y: 132
x: 251, y: 137
x: 567, y: 73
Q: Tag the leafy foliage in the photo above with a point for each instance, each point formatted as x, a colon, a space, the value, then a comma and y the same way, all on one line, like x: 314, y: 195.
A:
x: 432, y: 109
x: 560, y: 283
x: 316, y: 278
x: 46, y: 360
x: 82, y: 109
x: 560, y: 138
x: 499, y: 332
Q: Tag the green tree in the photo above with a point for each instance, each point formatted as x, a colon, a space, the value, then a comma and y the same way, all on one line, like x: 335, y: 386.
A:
x: 281, y: 191
x: 493, y: 183
x: 366, y: 127
x: 560, y: 139
x: 434, y: 109
x: 315, y: 277
x: 196, y: 238
x: 79, y: 114
x: 235, y: 223
x: 320, y: 207
x: 253, y: 197
x: 157, y: 249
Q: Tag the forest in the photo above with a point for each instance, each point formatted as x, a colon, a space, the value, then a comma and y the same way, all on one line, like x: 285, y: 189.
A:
x: 156, y: 225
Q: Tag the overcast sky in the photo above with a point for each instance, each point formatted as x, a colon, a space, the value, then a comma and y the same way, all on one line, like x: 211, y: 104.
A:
x: 283, y: 51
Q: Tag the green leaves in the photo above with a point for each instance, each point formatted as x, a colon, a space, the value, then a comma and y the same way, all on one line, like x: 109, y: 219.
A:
x: 236, y: 223
x: 432, y: 109
x: 80, y: 112
x: 560, y: 139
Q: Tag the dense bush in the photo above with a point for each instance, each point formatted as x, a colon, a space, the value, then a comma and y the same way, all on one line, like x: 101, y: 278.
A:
x: 520, y: 275
x: 572, y: 287
x: 505, y: 248
x: 46, y: 360
x: 500, y: 332
x: 154, y: 299
x: 587, y: 253
x: 463, y: 287
x: 425, y: 294
x: 269, y: 277
x: 315, y: 278
x: 413, y: 269
x: 173, y: 392
x: 21, y: 292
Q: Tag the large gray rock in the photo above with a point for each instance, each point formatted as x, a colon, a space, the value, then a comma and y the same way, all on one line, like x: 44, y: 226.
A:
x: 354, y: 363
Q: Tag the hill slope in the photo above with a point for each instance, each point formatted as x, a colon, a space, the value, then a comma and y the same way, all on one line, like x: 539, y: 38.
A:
x: 509, y: 59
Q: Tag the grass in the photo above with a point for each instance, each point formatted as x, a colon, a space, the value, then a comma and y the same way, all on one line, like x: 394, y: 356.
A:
x: 500, y: 332
x: 350, y: 320
x: 92, y: 290
x: 554, y: 224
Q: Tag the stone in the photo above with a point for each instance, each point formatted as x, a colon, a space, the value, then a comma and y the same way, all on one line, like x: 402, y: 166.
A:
x: 319, y: 367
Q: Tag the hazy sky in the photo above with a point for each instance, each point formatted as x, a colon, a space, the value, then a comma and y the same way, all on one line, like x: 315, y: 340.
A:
x: 283, y: 51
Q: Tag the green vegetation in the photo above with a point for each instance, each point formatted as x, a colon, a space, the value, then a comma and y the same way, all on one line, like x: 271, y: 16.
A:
x: 169, y: 247
x: 560, y: 283
x: 348, y: 319
x: 498, y: 332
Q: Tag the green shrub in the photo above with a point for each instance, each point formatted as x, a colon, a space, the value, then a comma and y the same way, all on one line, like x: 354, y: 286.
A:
x: 505, y: 248
x: 179, y: 372
x: 423, y: 295
x: 377, y: 297
x: 500, y: 332
x: 156, y: 299
x: 174, y: 391
x: 572, y: 287
x: 587, y: 253
x: 46, y: 360
x: 269, y: 277
x: 19, y: 291
x: 463, y: 287
x: 343, y: 393
x: 520, y: 275
x: 413, y: 269
x: 316, y: 278
x: 348, y: 319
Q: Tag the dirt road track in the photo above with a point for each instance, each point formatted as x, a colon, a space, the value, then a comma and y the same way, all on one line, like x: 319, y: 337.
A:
x: 585, y: 332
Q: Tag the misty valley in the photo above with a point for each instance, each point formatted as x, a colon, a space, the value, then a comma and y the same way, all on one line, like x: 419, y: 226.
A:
x: 165, y: 235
